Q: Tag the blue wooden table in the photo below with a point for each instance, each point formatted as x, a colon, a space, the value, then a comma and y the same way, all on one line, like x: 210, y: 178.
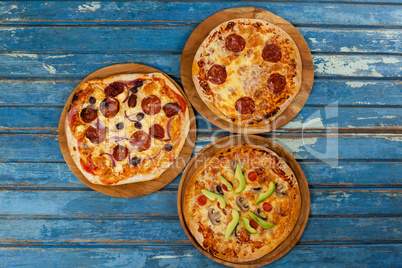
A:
x: 347, y: 138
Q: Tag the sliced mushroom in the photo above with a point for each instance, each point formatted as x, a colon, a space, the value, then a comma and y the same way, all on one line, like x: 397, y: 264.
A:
x: 242, y: 203
x: 214, y: 216
x: 258, y: 214
x: 233, y: 165
x: 256, y: 189
x: 236, y: 232
x: 217, y: 189
x: 280, y: 190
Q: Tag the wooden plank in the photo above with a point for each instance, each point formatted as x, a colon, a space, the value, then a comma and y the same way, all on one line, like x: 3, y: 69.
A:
x: 79, y: 65
x: 136, y: 231
x: 172, y: 255
x: 319, y: 174
x: 309, y: 119
x: 90, y: 203
x: 308, y: 146
x: 194, y: 12
x: 324, y: 92
x: 172, y: 39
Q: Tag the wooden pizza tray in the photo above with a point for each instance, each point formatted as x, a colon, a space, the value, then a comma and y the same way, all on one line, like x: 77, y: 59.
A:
x: 229, y: 141
x: 138, y: 188
x: 202, y: 31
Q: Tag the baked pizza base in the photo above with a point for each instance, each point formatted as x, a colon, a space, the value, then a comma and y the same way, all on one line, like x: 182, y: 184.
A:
x: 284, y: 214
x: 153, y: 171
x: 276, y: 106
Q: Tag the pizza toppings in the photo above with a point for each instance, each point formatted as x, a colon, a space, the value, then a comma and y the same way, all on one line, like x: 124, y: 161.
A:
x: 242, y: 203
x: 151, y: 105
x: 252, y: 176
x: 248, y: 226
x: 239, y: 176
x: 259, y: 215
x: 213, y: 196
x: 202, y: 200
x: 89, y: 114
x: 267, y: 194
x: 226, y: 185
x: 141, y: 140
x: 214, y: 216
x: 217, y: 74
x: 119, y: 126
x: 132, y: 101
x: 120, y: 152
x: 217, y: 189
x: 135, y: 161
x: 114, y: 89
x: 140, y: 116
x: 245, y: 105
x: 253, y: 224
x: 168, y: 147
x: 92, y: 100
x: 267, y: 206
x: 96, y: 135
x: 109, y: 107
x: 171, y: 109
x: 272, y: 53
x: 137, y: 84
x: 262, y: 223
x: 111, y: 158
x: 276, y: 83
x: 156, y: 131
x: 280, y: 190
x: 235, y: 43
x: 232, y: 224
x: 137, y: 125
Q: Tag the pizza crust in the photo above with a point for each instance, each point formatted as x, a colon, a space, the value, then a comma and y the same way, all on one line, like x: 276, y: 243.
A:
x: 72, y: 142
x: 193, y: 225
x: 243, y: 122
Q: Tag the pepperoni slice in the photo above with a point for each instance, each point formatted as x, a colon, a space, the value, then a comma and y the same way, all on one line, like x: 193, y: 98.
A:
x: 141, y: 140
x: 245, y: 105
x: 253, y: 224
x: 267, y: 207
x: 235, y: 43
x: 276, y: 83
x: 252, y: 176
x: 132, y: 101
x: 272, y: 53
x: 151, y: 105
x: 171, y: 109
x: 114, y: 89
x: 120, y: 152
x: 89, y: 114
x: 96, y: 136
x: 202, y: 200
x: 157, y: 131
x: 109, y: 107
x: 217, y: 74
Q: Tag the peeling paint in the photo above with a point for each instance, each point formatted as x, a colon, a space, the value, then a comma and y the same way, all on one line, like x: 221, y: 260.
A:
x: 21, y: 55
x: 172, y: 256
x: 356, y: 84
x: 93, y: 6
x: 338, y: 66
x: 347, y: 49
x: 49, y: 68
x: 308, y: 124
x: 377, y: 117
x: 296, y: 146
x: 58, y: 56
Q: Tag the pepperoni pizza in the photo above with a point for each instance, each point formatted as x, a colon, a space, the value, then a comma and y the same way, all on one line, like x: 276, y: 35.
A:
x: 126, y: 128
x: 247, y: 71
x: 242, y: 203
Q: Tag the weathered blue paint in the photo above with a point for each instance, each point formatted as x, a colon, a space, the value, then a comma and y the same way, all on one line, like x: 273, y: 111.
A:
x: 49, y: 218
x: 194, y: 12
x: 140, y: 230
x: 324, y: 92
x: 71, y: 65
x: 44, y: 147
x: 172, y: 39
x: 66, y: 203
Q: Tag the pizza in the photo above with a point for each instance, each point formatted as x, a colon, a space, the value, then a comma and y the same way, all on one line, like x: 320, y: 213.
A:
x: 247, y: 71
x: 126, y: 128
x: 242, y: 203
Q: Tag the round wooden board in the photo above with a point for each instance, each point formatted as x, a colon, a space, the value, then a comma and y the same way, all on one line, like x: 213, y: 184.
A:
x: 212, y: 148
x: 202, y: 31
x: 139, y: 188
